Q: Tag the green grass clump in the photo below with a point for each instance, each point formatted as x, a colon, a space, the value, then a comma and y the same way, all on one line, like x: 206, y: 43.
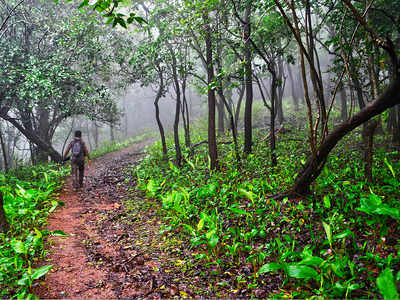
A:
x: 333, y: 243
x: 29, y: 196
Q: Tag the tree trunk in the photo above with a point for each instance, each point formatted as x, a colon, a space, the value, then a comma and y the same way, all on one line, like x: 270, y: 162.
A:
x: 280, y: 86
x: 391, y: 121
x: 112, y: 135
x: 369, y: 144
x: 96, y: 134
x: 159, y: 123
x: 395, y: 124
x: 212, y: 139
x: 343, y: 102
x: 224, y: 101
x: 238, y: 106
x: 315, y: 163
x: 35, y: 139
x: 232, y: 121
x: 274, y: 86
x: 185, y: 115
x: 316, y: 78
x: 89, y: 140
x: 4, y: 226
x: 294, y: 90
x: 4, y: 151
x: 221, y: 118
x: 397, y: 129
x: 125, y: 118
x: 248, y: 129
x: 43, y: 132
x: 357, y: 85
x: 279, y: 109
x: 178, y: 152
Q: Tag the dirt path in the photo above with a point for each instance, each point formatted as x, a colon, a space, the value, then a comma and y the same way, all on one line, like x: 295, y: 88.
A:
x: 114, y: 249
x: 92, y: 261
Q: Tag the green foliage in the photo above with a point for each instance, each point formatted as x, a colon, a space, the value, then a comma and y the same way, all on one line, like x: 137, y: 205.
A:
x: 29, y: 197
x: 108, y: 9
x: 387, y: 285
x: 326, y: 245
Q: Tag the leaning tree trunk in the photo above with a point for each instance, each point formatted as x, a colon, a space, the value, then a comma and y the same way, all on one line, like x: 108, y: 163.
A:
x: 315, y: 163
x: 33, y: 138
x: 4, y: 226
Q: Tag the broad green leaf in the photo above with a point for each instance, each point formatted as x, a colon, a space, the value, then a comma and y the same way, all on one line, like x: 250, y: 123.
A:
x: 189, y: 228
x: 140, y: 20
x: 299, y: 271
x: 239, y: 211
x: 59, y: 233
x: 210, y: 233
x: 200, y: 225
x: 18, y: 247
x: 311, y: 261
x: 54, y: 206
x: 328, y: 231
x: 25, y: 280
x: 269, y: 268
x: 38, y: 233
x: 249, y: 195
x: 327, y: 202
x: 386, y: 285
x: 213, y: 241
x: 343, y: 234
x: 37, y: 273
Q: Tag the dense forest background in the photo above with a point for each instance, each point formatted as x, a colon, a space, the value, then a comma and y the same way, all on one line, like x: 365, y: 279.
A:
x: 259, y: 107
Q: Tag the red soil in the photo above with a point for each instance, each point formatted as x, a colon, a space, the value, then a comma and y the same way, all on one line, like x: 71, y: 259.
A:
x: 73, y: 274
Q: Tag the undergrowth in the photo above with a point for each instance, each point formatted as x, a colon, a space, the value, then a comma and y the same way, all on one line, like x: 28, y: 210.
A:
x: 29, y: 196
x: 341, y: 241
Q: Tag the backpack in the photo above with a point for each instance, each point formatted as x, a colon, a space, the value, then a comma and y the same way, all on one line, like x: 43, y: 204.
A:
x: 77, y: 153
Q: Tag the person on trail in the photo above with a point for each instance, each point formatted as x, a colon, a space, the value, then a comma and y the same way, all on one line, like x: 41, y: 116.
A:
x: 78, y: 152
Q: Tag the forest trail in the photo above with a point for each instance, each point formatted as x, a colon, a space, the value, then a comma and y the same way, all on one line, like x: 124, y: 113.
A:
x: 102, y: 257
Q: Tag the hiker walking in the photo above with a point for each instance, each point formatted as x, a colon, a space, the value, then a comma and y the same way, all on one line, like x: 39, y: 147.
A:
x: 78, y: 152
